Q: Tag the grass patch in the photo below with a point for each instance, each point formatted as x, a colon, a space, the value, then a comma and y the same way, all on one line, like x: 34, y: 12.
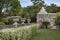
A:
x: 47, y: 34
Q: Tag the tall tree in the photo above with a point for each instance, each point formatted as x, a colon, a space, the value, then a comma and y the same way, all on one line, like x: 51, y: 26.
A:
x: 33, y: 10
x: 15, y: 6
x: 52, y: 8
x: 37, y: 5
x: 4, y: 4
x: 37, y: 2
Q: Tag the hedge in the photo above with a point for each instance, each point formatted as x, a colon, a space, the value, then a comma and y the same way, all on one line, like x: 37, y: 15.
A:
x: 22, y: 33
x: 2, y: 23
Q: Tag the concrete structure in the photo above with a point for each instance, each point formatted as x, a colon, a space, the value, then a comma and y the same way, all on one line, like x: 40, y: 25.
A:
x: 44, y: 16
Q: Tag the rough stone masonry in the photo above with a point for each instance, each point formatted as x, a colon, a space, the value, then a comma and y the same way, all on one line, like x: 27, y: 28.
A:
x: 44, y: 16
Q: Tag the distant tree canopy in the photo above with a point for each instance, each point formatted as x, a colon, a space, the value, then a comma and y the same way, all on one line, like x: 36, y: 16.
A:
x: 52, y: 9
x: 35, y: 8
x: 37, y: 2
x: 14, y: 6
x: 3, y: 4
x: 37, y: 5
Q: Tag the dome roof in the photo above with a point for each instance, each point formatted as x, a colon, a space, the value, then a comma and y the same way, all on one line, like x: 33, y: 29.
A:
x: 42, y: 11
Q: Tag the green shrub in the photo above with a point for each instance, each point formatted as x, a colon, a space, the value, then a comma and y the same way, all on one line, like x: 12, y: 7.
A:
x: 2, y: 23
x: 4, y: 20
x: 19, y: 21
x: 22, y: 33
x: 46, y: 23
x: 57, y: 21
x: 10, y: 21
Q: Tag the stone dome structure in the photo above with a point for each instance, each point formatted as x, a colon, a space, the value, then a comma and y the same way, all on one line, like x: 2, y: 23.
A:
x: 44, y: 16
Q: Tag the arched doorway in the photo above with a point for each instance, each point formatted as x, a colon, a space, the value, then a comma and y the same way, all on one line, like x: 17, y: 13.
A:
x: 45, y: 24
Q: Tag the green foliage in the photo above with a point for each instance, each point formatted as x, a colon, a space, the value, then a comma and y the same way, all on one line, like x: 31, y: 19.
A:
x: 15, y: 7
x: 7, y: 21
x: 4, y: 20
x: 52, y: 9
x: 20, y: 12
x: 46, y: 23
x: 19, y: 21
x: 57, y: 21
x: 4, y: 4
x: 37, y: 2
x: 33, y: 10
x: 1, y: 7
x: 2, y: 23
x: 22, y: 33
x: 10, y: 21
x: 12, y: 6
x: 58, y: 13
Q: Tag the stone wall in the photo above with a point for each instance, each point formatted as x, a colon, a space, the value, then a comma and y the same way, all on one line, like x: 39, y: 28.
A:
x: 11, y: 26
x: 44, y: 16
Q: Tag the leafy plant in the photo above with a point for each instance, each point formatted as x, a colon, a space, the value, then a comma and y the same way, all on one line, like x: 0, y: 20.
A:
x: 4, y: 20
x: 2, y: 23
x: 10, y: 21
x: 57, y: 21
x: 46, y: 23
x: 22, y: 33
x: 19, y: 21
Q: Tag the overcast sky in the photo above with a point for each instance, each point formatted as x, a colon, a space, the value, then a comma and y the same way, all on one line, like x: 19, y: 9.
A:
x: 25, y: 3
